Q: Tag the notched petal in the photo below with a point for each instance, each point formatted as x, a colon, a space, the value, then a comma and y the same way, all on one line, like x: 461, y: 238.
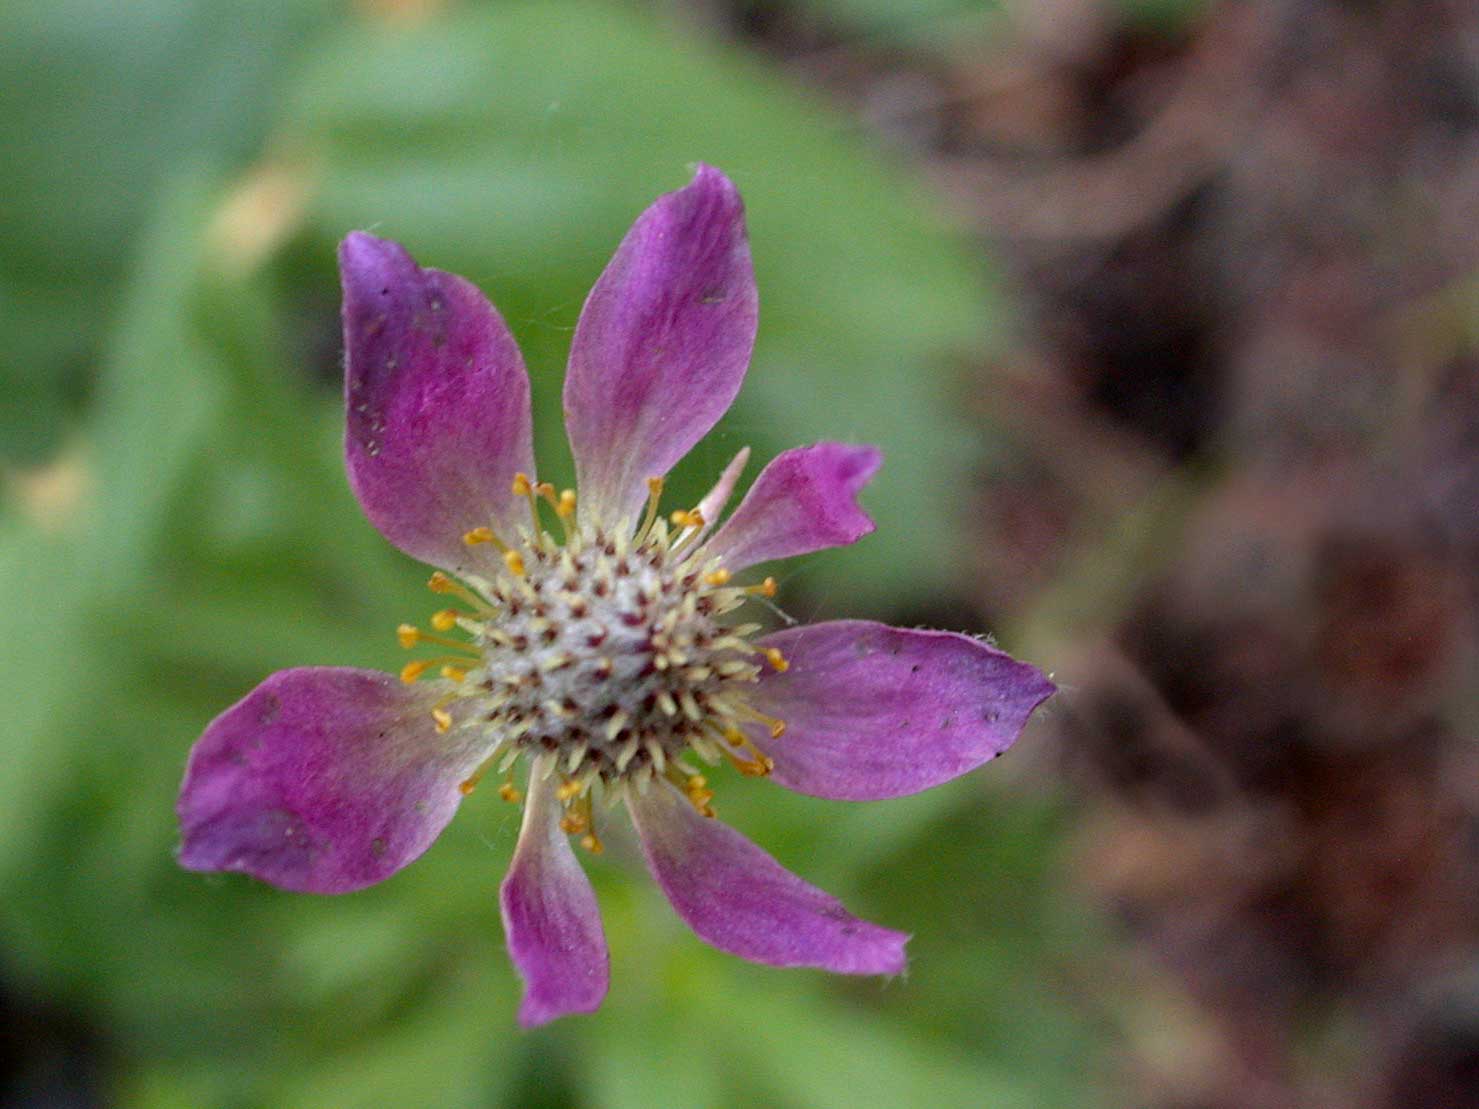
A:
x: 437, y: 404
x: 321, y: 780
x: 736, y: 897
x: 662, y: 344
x: 873, y: 711
x: 804, y: 501
x: 550, y: 916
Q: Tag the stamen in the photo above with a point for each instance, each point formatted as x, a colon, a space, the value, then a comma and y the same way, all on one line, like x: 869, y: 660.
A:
x: 409, y: 635
x: 515, y: 563
x: 445, y: 619
x: 694, y: 787
x: 687, y: 518
x: 758, y: 768
x: 568, y: 790
x: 766, y: 588
x: 454, y: 668
x: 717, y: 578
x: 592, y: 844
x: 577, y: 818
x: 777, y: 660
x: 757, y: 765
x: 745, y: 712
x: 441, y: 583
x: 443, y: 720
x: 524, y: 486
x: 654, y: 494
x: 483, y: 535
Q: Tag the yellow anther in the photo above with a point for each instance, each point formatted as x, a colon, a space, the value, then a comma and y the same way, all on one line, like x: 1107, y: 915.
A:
x: 413, y: 670
x: 453, y: 673
x: 522, y: 485
x: 566, y: 508
x: 744, y: 711
x: 409, y: 635
x: 443, y: 720
x: 573, y: 824
x: 687, y: 518
x: 441, y: 583
x: 568, y: 790
x: 478, y: 535
x: 696, y: 781
x: 591, y: 843
x: 445, y: 620
x: 510, y: 793
x: 734, y: 736
x: 757, y: 769
x: 777, y: 660
x: 766, y: 588
x: 654, y: 494
x: 718, y: 577
x: 515, y: 563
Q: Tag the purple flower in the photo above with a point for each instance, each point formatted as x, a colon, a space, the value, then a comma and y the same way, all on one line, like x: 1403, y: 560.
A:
x: 606, y: 658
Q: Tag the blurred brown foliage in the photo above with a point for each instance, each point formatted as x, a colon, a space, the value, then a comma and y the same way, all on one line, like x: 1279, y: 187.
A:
x: 1248, y: 400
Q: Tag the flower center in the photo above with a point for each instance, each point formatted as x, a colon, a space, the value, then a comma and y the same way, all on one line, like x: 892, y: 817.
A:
x: 608, y: 652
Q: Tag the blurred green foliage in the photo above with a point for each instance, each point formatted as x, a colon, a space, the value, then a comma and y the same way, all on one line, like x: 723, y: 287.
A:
x: 216, y: 540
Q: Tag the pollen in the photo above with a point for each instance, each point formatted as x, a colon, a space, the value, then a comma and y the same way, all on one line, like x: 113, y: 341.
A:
x: 610, y: 653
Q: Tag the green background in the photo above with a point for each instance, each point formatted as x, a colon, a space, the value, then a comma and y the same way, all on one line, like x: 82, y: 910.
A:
x: 179, y: 389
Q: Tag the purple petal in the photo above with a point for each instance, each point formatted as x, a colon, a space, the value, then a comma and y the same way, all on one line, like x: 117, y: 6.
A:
x: 662, y: 344
x: 550, y: 916
x: 438, y: 405
x: 736, y: 897
x: 323, y: 780
x: 873, y: 711
x: 805, y: 500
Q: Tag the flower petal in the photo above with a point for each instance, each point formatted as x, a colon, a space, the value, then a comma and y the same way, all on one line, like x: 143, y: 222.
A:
x: 662, y: 344
x: 736, y: 897
x: 805, y: 500
x: 873, y: 711
x: 322, y: 780
x: 550, y: 915
x: 438, y: 405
